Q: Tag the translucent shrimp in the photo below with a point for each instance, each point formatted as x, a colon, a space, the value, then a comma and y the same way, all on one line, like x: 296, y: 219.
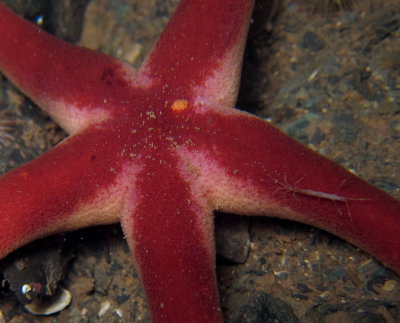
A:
x: 335, y: 198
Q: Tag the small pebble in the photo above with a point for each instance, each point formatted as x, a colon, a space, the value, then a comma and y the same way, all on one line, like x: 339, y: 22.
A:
x: 389, y: 285
x: 312, y: 41
x: 104, y: 307
x: 118, y: 312
x: 325, y: 295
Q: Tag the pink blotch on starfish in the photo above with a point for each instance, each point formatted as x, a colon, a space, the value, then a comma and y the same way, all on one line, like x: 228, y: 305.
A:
x: 161, y: 148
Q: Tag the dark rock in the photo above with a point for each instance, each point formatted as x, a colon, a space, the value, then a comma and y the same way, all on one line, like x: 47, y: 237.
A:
x: 232, y: 237
x: 318, y: 137
x: 370, y: 311
x: 311, y: 41
x: 363, y: 86
x: 300, y: 296
x: 338, y: 273
x: 376, y: 282
x: 122, y: 298
x: 262, y: 261
x: 66, y: 19
x: 38, y: 266
x: 303, y: 288
x: 28, y: 8
x: 384, y: 25
x: 260, y: 307
x: 102, y: 280
x: 345, y: 128
x: 61, y: 18
x: 333, y: 80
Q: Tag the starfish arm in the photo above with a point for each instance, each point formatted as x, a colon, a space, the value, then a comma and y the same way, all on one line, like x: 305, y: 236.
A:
x: 71, y: 83
x: 200, y: 51
x: 72, y: 186
x: 256, y: 169
x: 172, y: 239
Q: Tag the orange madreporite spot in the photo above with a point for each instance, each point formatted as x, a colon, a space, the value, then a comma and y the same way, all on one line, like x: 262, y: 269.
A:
x: 179, y: 105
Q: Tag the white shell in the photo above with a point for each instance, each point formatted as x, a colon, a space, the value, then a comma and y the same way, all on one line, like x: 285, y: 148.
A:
x: 50, y: 305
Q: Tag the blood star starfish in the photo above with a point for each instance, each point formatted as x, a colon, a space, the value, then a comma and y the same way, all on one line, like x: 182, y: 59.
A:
x: 161, y: 148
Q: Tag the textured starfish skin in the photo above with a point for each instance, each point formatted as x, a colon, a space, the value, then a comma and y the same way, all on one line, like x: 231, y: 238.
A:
x: 160, y: 149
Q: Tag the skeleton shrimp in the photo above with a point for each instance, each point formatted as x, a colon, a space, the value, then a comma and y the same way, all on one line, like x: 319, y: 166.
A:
x: 335, y: 198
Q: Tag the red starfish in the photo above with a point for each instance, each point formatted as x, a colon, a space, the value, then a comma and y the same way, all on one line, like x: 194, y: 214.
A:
x: 159, y: 149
